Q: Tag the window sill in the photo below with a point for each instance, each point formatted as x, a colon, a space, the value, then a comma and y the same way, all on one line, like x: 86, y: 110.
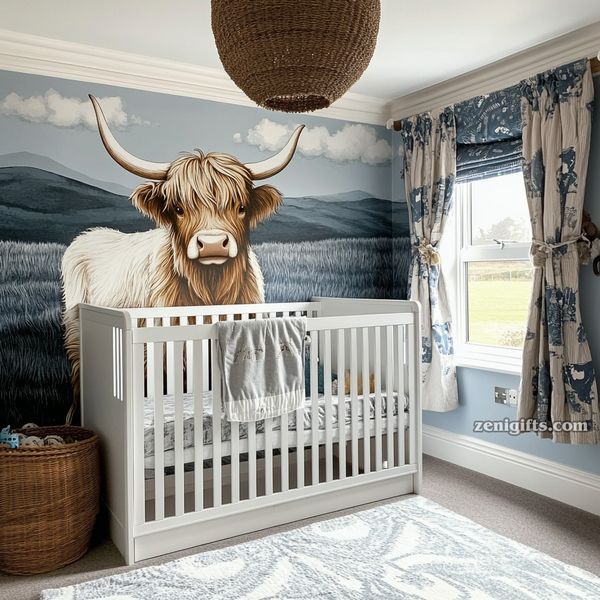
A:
x: 498, y: 365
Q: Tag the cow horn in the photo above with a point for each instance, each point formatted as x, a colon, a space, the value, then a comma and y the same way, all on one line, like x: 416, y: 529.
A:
x: 135, y: 165
x: 275, y: 164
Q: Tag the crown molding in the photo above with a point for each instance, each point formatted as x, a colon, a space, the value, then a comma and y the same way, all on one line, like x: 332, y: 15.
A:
x: 26, y: 53
x: 584, y: 42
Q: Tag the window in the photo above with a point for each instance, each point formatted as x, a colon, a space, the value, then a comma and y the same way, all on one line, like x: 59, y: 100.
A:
x: 494, y: 271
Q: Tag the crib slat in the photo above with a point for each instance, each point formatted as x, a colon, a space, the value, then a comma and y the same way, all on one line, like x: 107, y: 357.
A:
x: 299, y: 455
x: 216, y: 423
x: 198, y: 379
x: 206, y: 374
x: 155, y: 380
x: 300, y: 446
x: 378, y: 423
x: 115, y: 364
x: 175, y: 375
x: 285, y: 477
x: 366, y: 376
x: 341, y: 407
x: 235, y: 449
x: 121, y: 370
x: 389, y: 389
x: 251, y: 459
x: 354, y: 399
x: 398, y: 358
x: 269, y: 445
x: 167, y: 322
x: 400, y: 391
x: 314, y: 396
x: 235, y: 461
x: 251, y: 436
x: 328, y: 408
x: 138, y: 420
x: 412, y: 394
x: 268, y: 426
x: 188, y: 360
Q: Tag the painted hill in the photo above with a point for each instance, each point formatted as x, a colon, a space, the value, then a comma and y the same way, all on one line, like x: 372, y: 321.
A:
x: 350, y: 196
x: 311, y: 218
x: 40, y: 206
x: 37, y: 161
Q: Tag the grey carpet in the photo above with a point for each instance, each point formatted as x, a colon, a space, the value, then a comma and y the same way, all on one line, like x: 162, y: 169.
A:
x: 565, y: 533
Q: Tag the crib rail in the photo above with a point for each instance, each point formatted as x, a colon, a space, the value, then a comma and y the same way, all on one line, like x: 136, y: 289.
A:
x: 361, y: 420
x: 370, y: 358
x: 138, y: 315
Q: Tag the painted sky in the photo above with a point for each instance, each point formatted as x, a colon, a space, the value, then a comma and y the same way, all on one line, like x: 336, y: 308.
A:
x: 50, y: 117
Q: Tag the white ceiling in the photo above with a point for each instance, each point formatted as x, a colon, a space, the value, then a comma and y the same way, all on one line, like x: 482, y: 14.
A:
x: 420, y: 43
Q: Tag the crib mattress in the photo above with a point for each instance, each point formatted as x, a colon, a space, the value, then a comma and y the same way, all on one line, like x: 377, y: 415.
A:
x: 207, y: 433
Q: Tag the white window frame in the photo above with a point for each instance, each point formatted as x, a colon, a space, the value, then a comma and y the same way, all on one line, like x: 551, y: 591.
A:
x: 469, y: 354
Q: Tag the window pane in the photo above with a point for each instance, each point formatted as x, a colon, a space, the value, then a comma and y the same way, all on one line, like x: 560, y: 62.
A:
x: 498, y: 300
x: 499, y: 210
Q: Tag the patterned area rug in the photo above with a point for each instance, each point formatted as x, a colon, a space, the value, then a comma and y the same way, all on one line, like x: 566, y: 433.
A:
x: 410, y: 549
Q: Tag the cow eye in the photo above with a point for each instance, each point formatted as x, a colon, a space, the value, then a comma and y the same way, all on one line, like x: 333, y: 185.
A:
x: 179, y: 209
x: 242, y: 210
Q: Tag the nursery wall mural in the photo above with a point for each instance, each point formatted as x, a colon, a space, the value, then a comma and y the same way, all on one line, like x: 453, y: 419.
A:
x: 207, y: 229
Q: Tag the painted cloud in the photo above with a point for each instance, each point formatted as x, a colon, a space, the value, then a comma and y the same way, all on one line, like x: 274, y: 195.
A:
x: 351, y: 142
x: 55, y: 109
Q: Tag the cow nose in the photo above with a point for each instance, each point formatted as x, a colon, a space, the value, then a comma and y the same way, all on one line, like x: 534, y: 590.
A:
x: 213, y: 245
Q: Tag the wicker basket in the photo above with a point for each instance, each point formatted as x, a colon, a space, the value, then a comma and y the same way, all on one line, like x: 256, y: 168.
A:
x: 49, y: 500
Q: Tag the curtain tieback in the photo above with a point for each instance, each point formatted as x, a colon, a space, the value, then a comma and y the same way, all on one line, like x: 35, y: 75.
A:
x: 542, y: 251
x: 428, y: 252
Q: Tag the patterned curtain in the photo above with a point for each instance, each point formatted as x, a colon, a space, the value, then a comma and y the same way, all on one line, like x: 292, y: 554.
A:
x: 558, y: 381
x: 429, y: 141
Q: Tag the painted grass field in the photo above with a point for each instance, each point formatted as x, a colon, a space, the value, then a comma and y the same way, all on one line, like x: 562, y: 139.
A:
x: 366, y: 268
x: 34, y: 372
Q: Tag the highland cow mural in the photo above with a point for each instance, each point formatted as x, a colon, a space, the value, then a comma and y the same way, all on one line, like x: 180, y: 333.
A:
x: 199, y: 254
x: 199, y: 229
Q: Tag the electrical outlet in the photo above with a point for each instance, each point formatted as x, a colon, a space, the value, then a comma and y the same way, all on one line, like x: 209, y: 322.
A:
x: 506, y: 396
x: 500, y: 396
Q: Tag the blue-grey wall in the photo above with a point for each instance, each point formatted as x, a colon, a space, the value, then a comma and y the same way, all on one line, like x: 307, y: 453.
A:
x: 476, y: 387
x: 56, y: 180
x: 476, y: 399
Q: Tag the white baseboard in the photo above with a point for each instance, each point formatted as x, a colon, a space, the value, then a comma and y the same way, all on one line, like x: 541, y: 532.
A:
x: 554, y: 480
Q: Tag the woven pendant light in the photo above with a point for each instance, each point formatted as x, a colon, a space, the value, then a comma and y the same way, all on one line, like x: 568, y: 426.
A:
x: 295, y: 55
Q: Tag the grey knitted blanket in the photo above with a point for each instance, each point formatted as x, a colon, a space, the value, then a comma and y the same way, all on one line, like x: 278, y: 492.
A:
x: 262, y: 367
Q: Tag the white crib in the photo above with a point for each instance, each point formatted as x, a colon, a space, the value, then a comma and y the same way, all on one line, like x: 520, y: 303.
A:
x: 178, y: 475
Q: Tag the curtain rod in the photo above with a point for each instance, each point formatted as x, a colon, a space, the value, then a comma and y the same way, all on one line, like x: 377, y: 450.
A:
x: 594, y: 63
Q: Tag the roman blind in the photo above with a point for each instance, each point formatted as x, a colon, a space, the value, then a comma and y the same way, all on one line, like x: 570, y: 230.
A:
x: 488, y: 135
